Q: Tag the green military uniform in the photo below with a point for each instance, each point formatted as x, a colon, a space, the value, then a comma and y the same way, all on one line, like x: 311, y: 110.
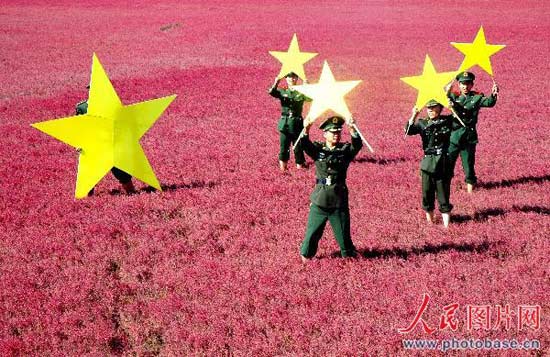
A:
x: 435, y: 167
x: 121, y: 176
x: 329, y: 200
x: 291, y: 122
x: 465, y: 139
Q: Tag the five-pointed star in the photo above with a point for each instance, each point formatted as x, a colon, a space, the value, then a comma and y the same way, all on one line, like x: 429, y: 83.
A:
x: 477, y: 52
x: 327, y: 94
x: 293, y: 60
x: 108, y: 134
x: 430, y: 84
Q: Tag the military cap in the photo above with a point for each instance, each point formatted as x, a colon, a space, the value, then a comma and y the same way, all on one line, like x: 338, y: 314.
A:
x: 465, y: 76
x: 333, y: 123
x: 292, y: 74
x: 432, y: 103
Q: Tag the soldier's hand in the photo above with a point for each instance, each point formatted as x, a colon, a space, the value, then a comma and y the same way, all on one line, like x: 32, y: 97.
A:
x: 308, y: 122
x: 350, y: 122
x: 449, y: 86
x: 414, y: 114
x: 495, y: 89
x: 451, y: 103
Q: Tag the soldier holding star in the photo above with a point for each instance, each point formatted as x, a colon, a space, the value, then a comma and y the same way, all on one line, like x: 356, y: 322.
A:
x: 291, y: 121
x: 435, y: 168
x: 122, y: 177
x: 464, y: 139
x: 329, y: 200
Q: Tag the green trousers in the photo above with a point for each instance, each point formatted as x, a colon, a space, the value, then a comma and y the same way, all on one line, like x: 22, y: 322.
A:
x: 432, y: 185
x: 285, y: 139
x: 316, y: 222
x: 468, y: 157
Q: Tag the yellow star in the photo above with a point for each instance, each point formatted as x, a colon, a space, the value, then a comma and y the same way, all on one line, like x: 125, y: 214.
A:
x: 430, y: 84
x: 327, y: 94
x: 108, y: 134
x: 477, y: 52
x: 293, y: 60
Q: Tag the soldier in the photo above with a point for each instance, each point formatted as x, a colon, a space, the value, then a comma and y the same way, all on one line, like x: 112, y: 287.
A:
x: 329, y: 200
x: 464, y: 139
x: 435, y: 131
x: 122, y: 177
x: 291, y: 122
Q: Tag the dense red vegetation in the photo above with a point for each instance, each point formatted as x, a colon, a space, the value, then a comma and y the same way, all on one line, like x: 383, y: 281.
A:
x: 211, y: 264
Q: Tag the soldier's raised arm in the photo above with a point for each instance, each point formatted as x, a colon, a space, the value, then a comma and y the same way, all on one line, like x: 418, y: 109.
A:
x: 491, y: 100
x: 305, y: 142
x: 356, y: 141
x: 273, y: 91
x: 410, y: 127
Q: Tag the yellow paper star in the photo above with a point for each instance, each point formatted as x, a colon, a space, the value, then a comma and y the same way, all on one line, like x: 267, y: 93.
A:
x: 108, y: 134
x: 477, y: 52
x: 430, y: 84
x: 327, y: 94
x: 293, y: 60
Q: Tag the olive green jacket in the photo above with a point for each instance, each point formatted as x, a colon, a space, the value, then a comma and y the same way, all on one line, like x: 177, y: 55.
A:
x: 467, y: 107
x: 331, y: 168
x: 292, y: 104
x: 435, y: 142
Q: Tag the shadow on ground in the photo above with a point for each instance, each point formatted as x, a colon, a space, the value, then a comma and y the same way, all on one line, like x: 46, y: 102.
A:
x: 381, y: 161
x: 513, y: 182
x: 171, y: 187
x: 405, y: 253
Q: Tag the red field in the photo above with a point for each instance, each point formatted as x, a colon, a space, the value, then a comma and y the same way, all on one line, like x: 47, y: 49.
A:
x: 210, y: 266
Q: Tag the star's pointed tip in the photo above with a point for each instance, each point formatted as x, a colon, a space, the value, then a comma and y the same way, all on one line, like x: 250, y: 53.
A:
x: 154, y: 183
x: 171, y: 98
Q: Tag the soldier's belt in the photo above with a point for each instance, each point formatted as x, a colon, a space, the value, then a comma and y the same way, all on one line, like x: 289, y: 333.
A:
x: 434, y: 151
x: 327, y: 181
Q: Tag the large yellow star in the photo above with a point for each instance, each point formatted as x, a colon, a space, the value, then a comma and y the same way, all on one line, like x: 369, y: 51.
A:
x: 327, y: 94
x: 477, y: 52
x: 108, y: 134
x: 430, y: 84
x: 293, y: 60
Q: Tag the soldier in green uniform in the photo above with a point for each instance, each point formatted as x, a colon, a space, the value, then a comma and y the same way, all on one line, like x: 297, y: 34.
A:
x: 435, y: 131
x: 291, y: 122
x: 464, y: 139
x: 122, y: 177
x: 329, y: 200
